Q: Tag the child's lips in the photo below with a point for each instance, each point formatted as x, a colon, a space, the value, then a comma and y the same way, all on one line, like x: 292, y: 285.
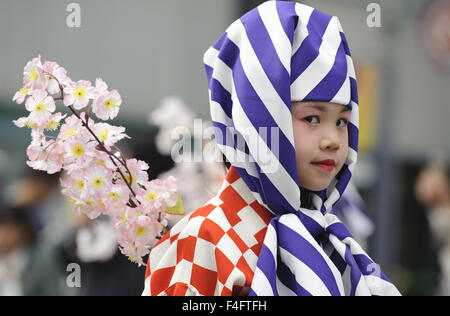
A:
x: 327, y: 164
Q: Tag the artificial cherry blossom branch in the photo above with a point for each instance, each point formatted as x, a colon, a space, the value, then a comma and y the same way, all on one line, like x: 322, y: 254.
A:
x: 102, y: 146
x: 82, y: 149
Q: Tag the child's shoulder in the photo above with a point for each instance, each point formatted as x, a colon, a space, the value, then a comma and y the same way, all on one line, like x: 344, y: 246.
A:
x: 218, y: 224
x: 208, y: 223
x: 211, y: 241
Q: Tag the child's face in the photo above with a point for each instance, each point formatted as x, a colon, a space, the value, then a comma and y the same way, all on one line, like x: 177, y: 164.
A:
x: 321, y: 141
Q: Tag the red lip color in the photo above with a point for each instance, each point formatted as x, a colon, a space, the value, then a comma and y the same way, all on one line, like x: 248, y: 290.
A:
x: 327, y: 164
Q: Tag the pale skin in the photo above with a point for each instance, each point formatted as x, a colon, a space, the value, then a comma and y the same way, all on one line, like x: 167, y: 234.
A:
x: 321, y: 141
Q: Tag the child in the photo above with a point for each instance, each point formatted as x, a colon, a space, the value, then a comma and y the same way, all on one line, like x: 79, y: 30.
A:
x: 284, y: 104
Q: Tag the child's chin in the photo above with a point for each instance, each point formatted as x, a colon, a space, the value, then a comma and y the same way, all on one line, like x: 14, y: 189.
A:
x: 315, y: 186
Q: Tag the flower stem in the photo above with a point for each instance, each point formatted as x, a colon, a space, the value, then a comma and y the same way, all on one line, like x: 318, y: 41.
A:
x: 100, y: 144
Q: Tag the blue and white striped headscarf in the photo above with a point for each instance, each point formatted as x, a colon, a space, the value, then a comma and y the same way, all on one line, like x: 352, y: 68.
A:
x: 277, y: 53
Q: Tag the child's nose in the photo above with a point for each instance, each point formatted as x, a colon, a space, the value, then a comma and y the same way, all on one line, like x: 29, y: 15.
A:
x: 330, y: 141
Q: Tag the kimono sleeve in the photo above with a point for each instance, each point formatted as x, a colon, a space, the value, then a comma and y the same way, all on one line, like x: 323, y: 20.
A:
x: 182, y: 264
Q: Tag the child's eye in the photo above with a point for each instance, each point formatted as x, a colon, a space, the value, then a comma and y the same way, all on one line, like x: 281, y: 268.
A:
x: 312, y: 119
x: 342, y: 123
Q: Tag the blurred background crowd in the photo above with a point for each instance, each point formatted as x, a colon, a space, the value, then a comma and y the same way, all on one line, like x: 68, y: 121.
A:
x: 398, y: 204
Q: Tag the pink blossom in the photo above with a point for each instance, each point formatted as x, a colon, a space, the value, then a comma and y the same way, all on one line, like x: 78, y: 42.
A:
x: 76, y: 188
x: 151, y: 196
x: 101, y: 88
x: 53, y: 121
x: 133, y: 253
x: 89, y: 185
x: 24, y: 121
x: 40, y: 157
x: 71, y: 127
x: 78, y: 93
x: 137, y: 233
x: 120, y: 216
x: 145, y: 230
x: 169, y: 193
x: 74, y: 185
x: 50, y: 123
x: 36, y: 152
x: 20, y: 95
x: 92, y: 207
x: 99, y: 180
x: 138, y: 170
x: 109, y: 134
x: 102, y: 160
x: 106, y: 106
x: 158, y: 195
x: 116, y: 198
x: 33, y: 74
x: 41, y: 105
x: 79, y: 151
x: 55, y: 160
x: 38, y: 137
x: 51, y: 71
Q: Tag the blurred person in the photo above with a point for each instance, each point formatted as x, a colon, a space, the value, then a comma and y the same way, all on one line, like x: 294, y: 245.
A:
x: 432, y: 189
x: 26, y: 268
x: 40, y: 193
x: 104, y: 271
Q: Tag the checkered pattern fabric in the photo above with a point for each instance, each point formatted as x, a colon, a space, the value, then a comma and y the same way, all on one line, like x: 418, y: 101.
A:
x: 213, y: 250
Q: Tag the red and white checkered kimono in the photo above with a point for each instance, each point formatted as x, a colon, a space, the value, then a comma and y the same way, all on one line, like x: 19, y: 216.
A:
x: 213, y: 250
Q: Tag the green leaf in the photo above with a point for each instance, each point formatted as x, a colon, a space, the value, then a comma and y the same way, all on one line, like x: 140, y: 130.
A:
x: 177, y: 209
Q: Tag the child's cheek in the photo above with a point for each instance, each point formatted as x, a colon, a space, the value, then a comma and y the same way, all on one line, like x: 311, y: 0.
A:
x: 344, y: 155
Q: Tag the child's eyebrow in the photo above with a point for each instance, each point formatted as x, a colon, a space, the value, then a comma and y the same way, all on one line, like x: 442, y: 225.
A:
x: 316, y: 106
x: 323, y: 109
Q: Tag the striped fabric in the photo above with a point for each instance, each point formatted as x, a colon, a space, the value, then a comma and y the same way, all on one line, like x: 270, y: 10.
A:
x: 352, y: 212
x: 277, y: 53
